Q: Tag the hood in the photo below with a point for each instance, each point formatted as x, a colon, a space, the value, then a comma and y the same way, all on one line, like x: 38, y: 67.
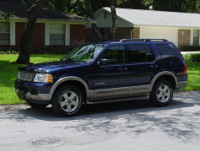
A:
x: 52, y: 66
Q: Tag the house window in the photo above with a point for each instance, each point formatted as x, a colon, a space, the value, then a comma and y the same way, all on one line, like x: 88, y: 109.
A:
x: 105, y: 15
x: 196, y: 38
x: 57, y: 34
x: 4, y: 33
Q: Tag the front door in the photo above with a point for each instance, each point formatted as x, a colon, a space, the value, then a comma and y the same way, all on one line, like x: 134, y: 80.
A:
x: 112, y: 79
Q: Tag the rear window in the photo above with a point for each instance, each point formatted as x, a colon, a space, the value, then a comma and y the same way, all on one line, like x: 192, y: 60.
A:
x: 169, y: 52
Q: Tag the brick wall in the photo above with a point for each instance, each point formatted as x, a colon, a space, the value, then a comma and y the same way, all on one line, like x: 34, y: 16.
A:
x: 183, y: 37
x: 38, y: 36
x: 136, y: 32
x: 77, y: 35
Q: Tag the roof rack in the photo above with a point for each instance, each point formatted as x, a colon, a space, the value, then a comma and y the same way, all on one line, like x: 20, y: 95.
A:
x: 128, y: 40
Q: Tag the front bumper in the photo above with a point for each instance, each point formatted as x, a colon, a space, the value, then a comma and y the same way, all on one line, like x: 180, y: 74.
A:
x: 34, y: 92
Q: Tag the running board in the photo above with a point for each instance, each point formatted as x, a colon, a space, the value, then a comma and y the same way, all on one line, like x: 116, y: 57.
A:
x: 116, y: 100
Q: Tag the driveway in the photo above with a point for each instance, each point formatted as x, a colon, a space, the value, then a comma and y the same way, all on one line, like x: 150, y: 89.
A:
x: 126, y: 126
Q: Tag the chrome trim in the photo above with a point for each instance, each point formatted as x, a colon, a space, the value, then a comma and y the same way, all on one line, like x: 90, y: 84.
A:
x: 181, y: 84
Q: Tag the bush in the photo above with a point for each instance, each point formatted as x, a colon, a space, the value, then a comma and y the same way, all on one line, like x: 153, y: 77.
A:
x: 192, y: 57
x: 8, y: 51
x: 190, y: 48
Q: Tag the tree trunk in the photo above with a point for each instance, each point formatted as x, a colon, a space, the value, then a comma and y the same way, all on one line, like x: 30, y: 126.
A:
x: 114, y: 19
x: 93, y: 25
x: 25, y: 44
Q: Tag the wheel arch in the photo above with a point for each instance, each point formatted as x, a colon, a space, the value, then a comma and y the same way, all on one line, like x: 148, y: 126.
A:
x: 74, y: 81
x: 169, y: 76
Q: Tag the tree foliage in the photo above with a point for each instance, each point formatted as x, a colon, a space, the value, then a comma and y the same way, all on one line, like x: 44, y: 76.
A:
x: 177, y: 5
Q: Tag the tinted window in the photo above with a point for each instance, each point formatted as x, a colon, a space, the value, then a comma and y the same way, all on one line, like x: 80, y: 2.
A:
x: 169, y: 52
x: 114, y: 55
x: 140, y: 53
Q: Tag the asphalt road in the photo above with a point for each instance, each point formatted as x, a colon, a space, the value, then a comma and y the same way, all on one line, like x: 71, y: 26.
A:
x: 127, y: 126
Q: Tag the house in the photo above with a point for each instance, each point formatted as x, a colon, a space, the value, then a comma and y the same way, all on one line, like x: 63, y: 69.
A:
x: 181, y: 28
x: 52, y: 30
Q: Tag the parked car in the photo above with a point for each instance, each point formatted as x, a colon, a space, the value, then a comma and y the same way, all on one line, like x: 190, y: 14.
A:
x: 105, y: 72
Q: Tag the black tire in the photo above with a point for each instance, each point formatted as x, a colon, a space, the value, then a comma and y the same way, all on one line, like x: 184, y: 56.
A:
x: 67, y: 101
x: 162, y: 93
x: 37, y: 106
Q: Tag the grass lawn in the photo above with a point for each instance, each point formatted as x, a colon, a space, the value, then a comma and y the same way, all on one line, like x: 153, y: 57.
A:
x: 193, y: 69
x: 8, y: 73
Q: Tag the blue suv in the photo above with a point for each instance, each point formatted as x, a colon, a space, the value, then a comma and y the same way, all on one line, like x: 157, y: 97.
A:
x: 105, y: 72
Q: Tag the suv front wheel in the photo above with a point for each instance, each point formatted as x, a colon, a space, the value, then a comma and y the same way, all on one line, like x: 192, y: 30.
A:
x: 67, y: 101
x: 162, y: 93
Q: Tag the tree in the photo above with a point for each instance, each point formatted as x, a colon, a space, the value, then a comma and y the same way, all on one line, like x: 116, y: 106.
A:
x: 114, y: 19
x: 93, y: 25
x: 177, y: 5
x: 33, y: 12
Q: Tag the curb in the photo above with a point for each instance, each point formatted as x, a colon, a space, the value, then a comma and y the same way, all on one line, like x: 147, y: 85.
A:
x: 13, y: 107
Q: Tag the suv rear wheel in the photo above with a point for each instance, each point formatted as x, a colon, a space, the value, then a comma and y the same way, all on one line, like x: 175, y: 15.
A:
x: 67, y: 101
x: 162, y: 93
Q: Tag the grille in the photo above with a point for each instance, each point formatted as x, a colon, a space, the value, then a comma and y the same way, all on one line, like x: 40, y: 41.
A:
x: 26, y: 76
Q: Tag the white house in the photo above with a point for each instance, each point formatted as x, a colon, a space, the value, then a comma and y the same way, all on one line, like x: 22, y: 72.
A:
x: 180, y: 28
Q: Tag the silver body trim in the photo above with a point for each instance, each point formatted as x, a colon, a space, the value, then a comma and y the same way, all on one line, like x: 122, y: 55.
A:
x: 41, y: 97
x: 109, y: 92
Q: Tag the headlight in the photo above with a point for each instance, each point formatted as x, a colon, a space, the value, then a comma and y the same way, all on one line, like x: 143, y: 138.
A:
x: 41, y: 77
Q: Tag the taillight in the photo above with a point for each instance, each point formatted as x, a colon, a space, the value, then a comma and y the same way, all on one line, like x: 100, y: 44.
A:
x: 185, y: 69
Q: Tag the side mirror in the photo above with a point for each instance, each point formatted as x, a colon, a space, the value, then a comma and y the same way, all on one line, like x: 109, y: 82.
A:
x: 103, y: 62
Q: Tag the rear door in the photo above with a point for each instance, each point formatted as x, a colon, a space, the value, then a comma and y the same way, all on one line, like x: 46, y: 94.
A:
x: 141, y: 66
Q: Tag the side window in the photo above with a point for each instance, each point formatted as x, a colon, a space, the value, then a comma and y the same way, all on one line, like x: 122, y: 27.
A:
x: 140, y: 53
x: 114, y: 55
x: 169, y: 52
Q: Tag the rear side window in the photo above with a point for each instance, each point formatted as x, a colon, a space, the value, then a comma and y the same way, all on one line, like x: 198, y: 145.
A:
x: 140, y: 53
x: 169, y: 52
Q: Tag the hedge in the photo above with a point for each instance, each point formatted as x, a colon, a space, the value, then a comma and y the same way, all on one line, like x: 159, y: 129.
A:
x: 190, y: 48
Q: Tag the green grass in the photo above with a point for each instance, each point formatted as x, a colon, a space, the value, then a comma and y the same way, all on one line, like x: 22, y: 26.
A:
x: 193, y: 76
x: 8, y: 73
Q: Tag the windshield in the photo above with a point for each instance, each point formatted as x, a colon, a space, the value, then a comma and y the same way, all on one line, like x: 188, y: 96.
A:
x: 84, y: 54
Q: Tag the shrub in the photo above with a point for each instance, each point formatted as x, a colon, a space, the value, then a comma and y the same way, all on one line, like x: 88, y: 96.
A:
x: 8, y: 51
x: 190, y: 48
x: 192, y: 57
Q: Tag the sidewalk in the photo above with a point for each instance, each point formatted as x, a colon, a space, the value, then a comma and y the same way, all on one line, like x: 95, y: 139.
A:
x: 189, y: 52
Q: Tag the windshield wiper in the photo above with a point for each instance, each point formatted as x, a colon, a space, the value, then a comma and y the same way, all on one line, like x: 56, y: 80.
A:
x: 67, y: 60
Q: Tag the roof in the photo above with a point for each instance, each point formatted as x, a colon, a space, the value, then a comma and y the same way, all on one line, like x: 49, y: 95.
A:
x: 156, y: 18
x: 20, y: 11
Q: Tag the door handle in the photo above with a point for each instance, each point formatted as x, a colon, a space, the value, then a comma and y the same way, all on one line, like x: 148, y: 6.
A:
x: 123, y: 69
x: 154, y: 66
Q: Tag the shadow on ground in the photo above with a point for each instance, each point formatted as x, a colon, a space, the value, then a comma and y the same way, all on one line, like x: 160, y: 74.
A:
x: 179, y: 120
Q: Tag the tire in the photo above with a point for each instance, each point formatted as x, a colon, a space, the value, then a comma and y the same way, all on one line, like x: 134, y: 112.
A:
x: 37, y: 106
x: 67, y: 101
x: 162, y: 93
